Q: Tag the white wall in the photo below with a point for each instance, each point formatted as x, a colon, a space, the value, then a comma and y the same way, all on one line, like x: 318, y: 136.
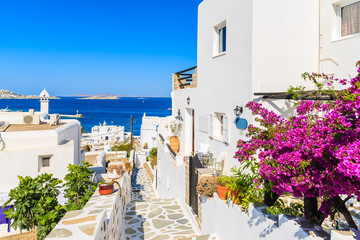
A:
x: 229, y: 222
x: 22, y: 150
x: 171, y: 181
x: 267, y: 51
x: 112, y: 132
x: 148, y: 131
x: 14, y: 117
x: 336, y: 50
x: 285, y: 43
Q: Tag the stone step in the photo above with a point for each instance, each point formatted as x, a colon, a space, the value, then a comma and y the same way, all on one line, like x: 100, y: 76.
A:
x: 203, y: 237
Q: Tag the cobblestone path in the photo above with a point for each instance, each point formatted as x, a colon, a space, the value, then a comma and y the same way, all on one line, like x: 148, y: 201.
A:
x: 148, y: 217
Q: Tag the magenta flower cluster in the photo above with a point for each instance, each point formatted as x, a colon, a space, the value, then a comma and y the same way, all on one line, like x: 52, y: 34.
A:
x: 315, y: 153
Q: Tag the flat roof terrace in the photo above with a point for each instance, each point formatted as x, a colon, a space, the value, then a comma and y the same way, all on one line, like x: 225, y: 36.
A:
x: 30, y: 127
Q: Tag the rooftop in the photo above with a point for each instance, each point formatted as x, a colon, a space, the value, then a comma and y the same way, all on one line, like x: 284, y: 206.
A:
x: 30, y: 127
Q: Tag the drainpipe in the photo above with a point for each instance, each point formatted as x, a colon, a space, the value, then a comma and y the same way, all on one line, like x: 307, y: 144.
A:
x: 320, y: 37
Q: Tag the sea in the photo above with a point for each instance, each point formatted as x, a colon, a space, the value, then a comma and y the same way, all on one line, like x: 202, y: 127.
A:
x: 96, y: 111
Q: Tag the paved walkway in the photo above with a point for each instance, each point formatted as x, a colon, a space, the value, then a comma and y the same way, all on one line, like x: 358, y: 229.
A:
x: 149, y: 217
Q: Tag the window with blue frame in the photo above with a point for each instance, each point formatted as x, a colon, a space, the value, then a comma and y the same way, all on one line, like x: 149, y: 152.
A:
x: 222, y: 39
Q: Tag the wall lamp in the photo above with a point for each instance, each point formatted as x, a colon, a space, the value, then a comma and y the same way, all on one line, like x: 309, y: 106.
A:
x: 188, y: 100
x: 179, y: 117
x: 238, y: 110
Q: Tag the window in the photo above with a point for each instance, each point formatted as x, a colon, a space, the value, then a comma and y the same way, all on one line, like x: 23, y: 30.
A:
x: 222, y: 39
x: 350, y: 19
x: 219, y: 39
x: 218, y: 127
x: 45, y: 163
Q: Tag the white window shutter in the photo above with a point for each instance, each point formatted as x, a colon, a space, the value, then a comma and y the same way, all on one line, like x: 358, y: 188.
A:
x: 211, y: 119
x: 226, y: 129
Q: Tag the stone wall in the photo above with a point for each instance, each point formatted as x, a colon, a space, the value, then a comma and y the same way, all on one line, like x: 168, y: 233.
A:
x: 101, y: 218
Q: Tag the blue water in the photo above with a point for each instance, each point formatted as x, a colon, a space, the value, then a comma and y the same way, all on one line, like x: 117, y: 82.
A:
x: 117, y: 112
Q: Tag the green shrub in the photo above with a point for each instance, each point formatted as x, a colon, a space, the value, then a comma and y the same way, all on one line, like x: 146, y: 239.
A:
x: 36, y: 205
x: 153, y: 163
x: 153, y: 152
x: 245, y: 190
x: 153, y: 157
x: 123, y: 147
x: 223, y: 180
x: 79, y: 188
x: 294, y: 209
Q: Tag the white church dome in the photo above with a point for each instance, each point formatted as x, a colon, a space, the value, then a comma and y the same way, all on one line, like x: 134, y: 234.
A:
x: 44, y: 94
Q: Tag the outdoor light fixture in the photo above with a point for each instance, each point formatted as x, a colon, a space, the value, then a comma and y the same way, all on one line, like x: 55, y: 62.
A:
x: 179, y: 117
x: 188, y: 100
x: 238, y: 110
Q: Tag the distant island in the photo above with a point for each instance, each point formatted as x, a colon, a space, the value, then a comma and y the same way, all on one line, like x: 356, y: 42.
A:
x: 6, y: 94
x: 101, y: 97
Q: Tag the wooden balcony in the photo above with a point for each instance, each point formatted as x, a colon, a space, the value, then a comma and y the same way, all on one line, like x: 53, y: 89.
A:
x: 185, y: 79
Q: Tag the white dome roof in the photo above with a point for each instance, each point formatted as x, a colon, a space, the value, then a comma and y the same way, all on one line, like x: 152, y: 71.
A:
x: 44, y: 94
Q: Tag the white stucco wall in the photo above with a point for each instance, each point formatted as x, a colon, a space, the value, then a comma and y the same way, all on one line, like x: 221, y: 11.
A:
x: 267, y: 51
x: 148, y: 131
x: 344, y: 51
x: 285, y: 43
x: 111, y: 132
x: 14, y: 117
x: 231, y: 223
x: 171, y: 181
x: 22, y: 150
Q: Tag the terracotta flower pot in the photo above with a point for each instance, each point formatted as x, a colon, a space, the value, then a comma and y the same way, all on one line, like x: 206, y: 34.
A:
x: 105, y: 188
x: 222, y: 191
x: 174, y: 143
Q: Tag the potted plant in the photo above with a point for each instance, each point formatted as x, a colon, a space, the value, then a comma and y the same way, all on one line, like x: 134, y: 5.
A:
x: 206, y: 186
x: 221, y: 186
x: 106, y: 188
x: 240, y: 184
x: 175, y: 129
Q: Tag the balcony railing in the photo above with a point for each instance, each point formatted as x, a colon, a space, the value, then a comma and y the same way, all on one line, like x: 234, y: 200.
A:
x: 185, y: 79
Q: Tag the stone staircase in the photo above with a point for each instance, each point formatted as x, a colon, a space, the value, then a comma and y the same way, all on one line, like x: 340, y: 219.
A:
x: 149, y: 217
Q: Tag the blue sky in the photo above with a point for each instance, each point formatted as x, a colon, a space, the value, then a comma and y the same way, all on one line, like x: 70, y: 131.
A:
x: 87, y: 46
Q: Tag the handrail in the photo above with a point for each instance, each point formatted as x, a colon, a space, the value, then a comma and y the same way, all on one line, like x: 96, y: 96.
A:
x: 173, y: 154
x: 186, y: 70
x: 161, y: 138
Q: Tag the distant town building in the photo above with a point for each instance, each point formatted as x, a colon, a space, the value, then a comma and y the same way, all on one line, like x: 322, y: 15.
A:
x: 148, y: 131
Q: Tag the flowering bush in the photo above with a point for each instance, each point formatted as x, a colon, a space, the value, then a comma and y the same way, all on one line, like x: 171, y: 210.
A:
x: 315, y: 153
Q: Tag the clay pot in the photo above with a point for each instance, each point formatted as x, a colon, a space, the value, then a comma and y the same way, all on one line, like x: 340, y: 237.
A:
x: 222, y: 191
x: 105, y: 189
x: 174, y: 143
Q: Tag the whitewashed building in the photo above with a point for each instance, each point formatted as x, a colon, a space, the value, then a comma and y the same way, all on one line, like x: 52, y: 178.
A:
x: 30, y: 145
x: 148, y: 131
x: 105, y: 132
x: 248, y: 49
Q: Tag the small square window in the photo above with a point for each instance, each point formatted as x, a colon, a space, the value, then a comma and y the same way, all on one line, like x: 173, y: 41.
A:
x: 350, y: 19
x: 45, y: 163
